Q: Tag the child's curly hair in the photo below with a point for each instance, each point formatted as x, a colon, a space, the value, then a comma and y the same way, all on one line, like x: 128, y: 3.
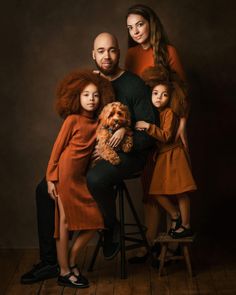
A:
x: 69, y: 90
x: 177, y: 89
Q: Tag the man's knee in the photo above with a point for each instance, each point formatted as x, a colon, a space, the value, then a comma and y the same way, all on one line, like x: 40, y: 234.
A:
x: 94, y: 179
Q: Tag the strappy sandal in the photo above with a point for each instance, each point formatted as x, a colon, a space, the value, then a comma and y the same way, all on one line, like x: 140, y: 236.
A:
x: 187, y: 232
x: 177, y: 225
x: 80, y: 277
x: 66, y: 282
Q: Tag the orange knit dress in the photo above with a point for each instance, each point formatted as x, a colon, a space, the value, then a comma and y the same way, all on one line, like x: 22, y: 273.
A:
x: 137, y: 60
x: 67, y: 167
x: 172, y: 173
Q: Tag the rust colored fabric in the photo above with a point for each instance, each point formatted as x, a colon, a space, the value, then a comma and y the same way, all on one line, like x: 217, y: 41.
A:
x: 138, y: 59
x: 172, y: 173
x: 67, y: 167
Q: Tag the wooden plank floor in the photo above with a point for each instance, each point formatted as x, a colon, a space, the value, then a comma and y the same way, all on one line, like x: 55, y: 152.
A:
x: 214, y: 267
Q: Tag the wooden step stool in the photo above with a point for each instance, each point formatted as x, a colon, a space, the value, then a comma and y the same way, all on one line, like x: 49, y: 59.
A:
x: 164, y: 239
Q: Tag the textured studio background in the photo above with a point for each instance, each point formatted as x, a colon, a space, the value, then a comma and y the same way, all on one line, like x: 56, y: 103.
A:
x: 41, y: 41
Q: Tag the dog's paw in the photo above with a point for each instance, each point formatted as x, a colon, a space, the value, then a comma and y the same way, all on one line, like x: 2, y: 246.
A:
x: 127, y: 148
x: 127, y: 144
x: 115, y: 160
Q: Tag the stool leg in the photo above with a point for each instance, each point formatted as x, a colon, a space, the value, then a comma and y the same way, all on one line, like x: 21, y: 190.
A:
x: 142, y: 232
x: 123, y: 272
x: 187, y: 259
x: 162, y: 257
x: 95, y: 253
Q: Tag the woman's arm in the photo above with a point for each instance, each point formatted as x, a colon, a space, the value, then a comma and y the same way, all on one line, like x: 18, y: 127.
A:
x: 176, y: 65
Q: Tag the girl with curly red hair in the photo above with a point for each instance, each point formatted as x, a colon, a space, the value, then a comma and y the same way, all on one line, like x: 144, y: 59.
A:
x: 80, y: 97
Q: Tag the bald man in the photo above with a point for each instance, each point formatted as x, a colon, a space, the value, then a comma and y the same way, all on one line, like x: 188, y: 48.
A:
x: 130, y: 90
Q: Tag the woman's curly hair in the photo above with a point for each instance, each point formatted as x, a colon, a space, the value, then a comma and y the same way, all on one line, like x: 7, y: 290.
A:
x: 176, y: 87
x: 69, y: 90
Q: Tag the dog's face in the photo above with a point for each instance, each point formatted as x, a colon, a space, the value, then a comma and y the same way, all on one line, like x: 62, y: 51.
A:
x: 115, y: 115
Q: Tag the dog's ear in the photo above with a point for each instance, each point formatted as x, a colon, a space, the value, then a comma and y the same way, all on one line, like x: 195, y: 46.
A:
x: 105, y: 114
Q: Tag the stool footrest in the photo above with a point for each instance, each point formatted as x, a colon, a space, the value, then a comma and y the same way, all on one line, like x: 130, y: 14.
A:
x: 134, y: 246
x: 133, y: 239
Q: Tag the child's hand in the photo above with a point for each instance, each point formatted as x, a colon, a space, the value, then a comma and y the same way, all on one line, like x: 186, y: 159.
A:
x: 95, y: 156
x: 52, y: 190
x: 142, y: 125
x: 117, y: 137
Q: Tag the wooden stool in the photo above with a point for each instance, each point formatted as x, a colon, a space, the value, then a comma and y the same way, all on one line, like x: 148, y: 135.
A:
x: 164, y: 239
x: 123, y: 194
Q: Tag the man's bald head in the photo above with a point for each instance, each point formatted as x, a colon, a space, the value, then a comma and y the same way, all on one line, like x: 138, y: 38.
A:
x: 106, y: 53
x: 105, y: 38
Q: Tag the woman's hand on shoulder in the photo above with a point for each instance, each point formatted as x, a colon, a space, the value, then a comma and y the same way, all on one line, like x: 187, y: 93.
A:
x: 117, y: 137
x: 52, y: 191
x: 142, y: 125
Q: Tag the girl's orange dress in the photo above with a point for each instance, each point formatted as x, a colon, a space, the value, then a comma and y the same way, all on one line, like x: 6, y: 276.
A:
x: 172, y: 173
x: 137, y: 60
x: 67, y: 167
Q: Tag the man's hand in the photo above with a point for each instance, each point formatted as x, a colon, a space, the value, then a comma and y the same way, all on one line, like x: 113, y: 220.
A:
x: 117, y: 137
x: 142, y: 125
x: 52, y: 190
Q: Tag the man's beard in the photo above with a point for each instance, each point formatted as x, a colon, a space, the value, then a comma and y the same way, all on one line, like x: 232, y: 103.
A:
x: 109, y: 72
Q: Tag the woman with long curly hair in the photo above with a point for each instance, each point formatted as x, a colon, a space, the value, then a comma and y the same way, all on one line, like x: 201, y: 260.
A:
x: 80, y: 97
x: 148, y: 45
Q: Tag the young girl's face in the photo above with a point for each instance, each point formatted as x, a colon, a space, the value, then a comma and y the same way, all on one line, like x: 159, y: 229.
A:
x: 89, y: 98
x: 160, y: 96
x: 138, y: 28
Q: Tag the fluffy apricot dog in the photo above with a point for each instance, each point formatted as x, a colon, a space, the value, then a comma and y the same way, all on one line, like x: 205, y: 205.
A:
x: 113, y: 116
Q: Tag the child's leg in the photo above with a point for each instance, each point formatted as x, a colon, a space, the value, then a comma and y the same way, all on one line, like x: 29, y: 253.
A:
x: 84, y: 237
x: 184, y: 206
x: 62, y: 243
x: 168, y: 205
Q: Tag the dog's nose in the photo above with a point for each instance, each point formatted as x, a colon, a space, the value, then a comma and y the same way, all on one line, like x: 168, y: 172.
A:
x: 116, y: 120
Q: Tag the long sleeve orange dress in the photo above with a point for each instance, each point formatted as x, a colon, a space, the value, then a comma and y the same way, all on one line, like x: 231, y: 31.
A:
x: 67, y: 167
x: 137, y: 60
x: 172, y: 173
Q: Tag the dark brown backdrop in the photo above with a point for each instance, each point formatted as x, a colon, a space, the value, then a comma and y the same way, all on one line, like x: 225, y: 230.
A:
x: 43, y: 40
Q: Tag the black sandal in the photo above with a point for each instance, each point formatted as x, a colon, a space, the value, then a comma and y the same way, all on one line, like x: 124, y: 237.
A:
x: 187, y: 232
x: 177, y: 225
x: 80, y: 277
x: 66, y: 282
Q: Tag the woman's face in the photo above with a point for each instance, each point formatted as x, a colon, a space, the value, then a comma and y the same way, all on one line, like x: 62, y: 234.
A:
x: 138, y: 28
x: 160, y: 96
x: 89, y: 98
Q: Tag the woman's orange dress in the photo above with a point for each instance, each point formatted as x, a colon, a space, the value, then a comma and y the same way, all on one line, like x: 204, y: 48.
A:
x: 67, y: 167
x: 138, y: 59
x: 172, y: 173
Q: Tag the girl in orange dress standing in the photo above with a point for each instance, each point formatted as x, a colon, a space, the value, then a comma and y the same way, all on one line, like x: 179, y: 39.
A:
x: 148, y: 45
x: 80, y: 97
x: 172, y: 176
